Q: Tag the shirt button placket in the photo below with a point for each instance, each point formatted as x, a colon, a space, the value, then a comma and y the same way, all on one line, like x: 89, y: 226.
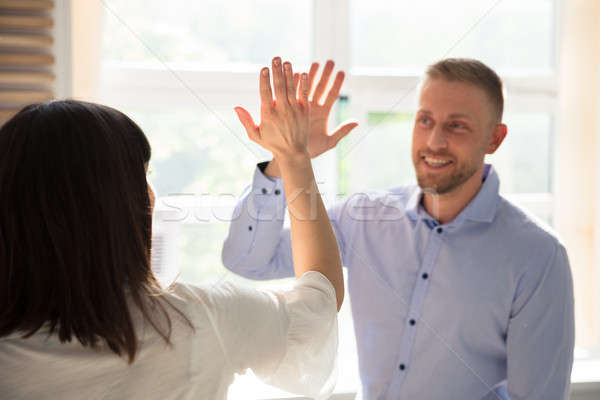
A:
x: 415, y: 307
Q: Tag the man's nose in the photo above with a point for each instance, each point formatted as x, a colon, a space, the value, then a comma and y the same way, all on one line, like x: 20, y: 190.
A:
x: 437, y: 139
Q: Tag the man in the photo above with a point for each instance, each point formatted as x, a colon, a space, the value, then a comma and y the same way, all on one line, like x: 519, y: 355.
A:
x: 455, y: 292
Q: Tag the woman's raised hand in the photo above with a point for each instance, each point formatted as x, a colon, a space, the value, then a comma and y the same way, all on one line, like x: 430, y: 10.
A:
x: 283, y: 130
x: 284, y: 123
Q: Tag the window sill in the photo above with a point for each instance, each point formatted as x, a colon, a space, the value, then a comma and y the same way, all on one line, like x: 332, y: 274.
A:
x: 586, y: 376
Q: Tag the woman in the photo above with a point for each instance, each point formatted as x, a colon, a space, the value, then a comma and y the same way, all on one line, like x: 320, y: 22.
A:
x: 82, y: 316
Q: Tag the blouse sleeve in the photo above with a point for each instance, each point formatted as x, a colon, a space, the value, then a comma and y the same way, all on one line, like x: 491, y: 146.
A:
x: 289, y: 338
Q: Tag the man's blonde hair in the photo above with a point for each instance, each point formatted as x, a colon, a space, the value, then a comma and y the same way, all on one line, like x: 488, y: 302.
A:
x: 474, y: 72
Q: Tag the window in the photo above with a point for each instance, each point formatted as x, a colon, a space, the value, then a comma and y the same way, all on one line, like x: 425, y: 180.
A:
x: 207, y: 34
x: 180, y: 70
x: 407, y: 35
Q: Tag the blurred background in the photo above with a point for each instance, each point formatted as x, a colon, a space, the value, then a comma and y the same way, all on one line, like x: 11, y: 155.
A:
x: 178, y: 68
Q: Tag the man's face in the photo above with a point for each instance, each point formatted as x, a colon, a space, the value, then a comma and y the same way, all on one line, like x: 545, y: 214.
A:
x: 452, y: 133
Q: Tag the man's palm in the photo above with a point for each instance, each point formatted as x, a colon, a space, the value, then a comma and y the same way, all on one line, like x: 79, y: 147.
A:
x: 321, y: 102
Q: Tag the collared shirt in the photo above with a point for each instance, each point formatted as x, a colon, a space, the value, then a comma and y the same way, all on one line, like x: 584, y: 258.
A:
x: 478, y: 308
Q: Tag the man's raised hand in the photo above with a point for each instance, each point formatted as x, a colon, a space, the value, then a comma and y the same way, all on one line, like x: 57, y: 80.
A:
x: 321, y: 103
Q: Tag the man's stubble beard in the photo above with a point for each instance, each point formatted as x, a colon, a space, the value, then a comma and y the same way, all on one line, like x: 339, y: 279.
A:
x: 445, y: 184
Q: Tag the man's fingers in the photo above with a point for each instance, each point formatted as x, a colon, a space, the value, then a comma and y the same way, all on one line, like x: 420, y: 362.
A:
x: 334, y: 92
x: 312, y: 73
x: 323, y: 81
x: 342, y: 131
x: 266, y: 94
x: 279, y: 82
x: 289, y: 82
x: 248, y: 122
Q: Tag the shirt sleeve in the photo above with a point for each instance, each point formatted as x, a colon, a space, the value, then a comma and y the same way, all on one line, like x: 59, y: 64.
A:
x: 288, y: 337
x: 540, y: 335
x: 258, y: 246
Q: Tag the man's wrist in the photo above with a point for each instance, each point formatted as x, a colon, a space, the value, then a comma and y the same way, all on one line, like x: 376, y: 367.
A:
x: 272, y: 169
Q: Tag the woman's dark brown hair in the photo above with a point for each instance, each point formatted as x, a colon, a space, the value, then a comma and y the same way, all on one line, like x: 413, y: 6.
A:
x: 75, y: 226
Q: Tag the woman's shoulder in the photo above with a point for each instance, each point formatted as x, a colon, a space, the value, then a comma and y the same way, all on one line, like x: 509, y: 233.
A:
x: 185, y: 292
x: 214, y: 301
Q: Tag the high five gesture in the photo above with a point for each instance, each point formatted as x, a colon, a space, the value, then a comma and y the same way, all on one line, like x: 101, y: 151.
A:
x: 320, y: 104
x: 283, y: 130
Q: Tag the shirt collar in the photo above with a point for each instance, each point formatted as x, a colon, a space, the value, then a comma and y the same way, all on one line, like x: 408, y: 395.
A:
x: 482, y: 208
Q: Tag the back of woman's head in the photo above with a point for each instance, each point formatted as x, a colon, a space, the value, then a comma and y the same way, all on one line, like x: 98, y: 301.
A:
x: 75, y: 224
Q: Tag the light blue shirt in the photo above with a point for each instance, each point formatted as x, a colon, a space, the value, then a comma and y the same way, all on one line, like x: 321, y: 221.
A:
x: 477, y: 308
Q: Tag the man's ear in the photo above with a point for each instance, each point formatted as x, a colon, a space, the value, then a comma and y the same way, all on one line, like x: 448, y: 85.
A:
x: 498, y: 135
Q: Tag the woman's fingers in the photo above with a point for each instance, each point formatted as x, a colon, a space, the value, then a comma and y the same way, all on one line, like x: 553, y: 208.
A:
x: 283, y: 127
x: 279, y: 82
x: 246, y: 120
x: 289, y: 83
x: 304, y: 89
x: 297, y: 83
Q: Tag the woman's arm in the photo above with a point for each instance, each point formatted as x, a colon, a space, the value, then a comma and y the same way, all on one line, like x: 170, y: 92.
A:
x: 283, y: 130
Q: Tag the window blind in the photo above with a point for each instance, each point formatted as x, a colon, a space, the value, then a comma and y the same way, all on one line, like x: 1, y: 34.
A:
x: 26, y: 54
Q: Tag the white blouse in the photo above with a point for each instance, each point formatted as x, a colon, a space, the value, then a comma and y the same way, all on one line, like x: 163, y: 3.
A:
x: 287, y: 337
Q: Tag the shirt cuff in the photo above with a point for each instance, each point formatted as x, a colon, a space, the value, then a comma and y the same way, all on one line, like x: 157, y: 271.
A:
x: 266, y: 188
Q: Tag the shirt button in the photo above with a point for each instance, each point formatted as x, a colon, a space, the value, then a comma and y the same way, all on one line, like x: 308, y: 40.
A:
x: 250, y: 228
x: 277, y: 192
x: 264, y: 191
x: 412, y: 322
x: 440, y: 230
x: 425, y: 275
x: 402, y: 367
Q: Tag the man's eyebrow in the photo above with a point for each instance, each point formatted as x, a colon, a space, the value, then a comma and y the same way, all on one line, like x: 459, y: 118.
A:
x: 459, y: 115
x: 454, y: 115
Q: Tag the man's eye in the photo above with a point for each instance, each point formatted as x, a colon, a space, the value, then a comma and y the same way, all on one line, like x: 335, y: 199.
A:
x: 425, y: 121
x: 457, y: 125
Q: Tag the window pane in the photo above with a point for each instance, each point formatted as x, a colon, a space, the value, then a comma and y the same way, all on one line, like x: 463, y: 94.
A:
x: 208, y: 32
x: 200, y: 252
x: 193, y: 152
x: 409, y: 35
x: 195, y: 157
x: 198, y: 258
x: 378, y: 157
x: 524, y: 161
